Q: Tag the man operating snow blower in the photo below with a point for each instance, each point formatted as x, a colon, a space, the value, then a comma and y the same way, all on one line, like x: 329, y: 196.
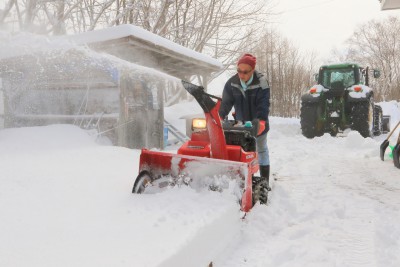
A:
x: 248, y: 92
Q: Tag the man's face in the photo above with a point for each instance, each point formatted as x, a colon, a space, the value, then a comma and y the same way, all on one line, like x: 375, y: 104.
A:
x: 245, y: 72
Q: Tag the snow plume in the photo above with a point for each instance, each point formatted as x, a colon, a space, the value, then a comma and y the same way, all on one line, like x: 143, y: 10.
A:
x: 52, y: 80
x: 211, y: 174
x: 19, y: 44
x: 22, y: 43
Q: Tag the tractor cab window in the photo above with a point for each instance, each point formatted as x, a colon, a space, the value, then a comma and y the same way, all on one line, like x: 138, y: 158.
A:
x: 338, y: 78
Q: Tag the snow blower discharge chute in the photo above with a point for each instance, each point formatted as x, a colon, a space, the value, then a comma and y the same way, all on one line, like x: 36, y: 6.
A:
x: 219, y: 156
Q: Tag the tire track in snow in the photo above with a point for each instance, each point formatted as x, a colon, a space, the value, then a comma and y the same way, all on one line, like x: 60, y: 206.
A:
x: 351, y: 224
x: 321, y: 205
x: 357, y: 239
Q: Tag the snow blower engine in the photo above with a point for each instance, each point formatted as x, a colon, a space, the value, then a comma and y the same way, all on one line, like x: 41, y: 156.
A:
x: 219, y: 156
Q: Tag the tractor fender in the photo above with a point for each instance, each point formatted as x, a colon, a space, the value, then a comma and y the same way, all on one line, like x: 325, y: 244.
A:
x: 308, y: 98
x: 360, y: 98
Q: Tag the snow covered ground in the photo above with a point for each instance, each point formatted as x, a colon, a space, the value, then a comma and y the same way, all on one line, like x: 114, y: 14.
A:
x: 65, y: 200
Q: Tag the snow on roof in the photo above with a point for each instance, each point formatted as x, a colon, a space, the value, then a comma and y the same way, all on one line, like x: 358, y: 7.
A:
x: 126, y: 30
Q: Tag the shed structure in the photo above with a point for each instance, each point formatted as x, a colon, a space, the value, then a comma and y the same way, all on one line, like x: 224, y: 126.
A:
x: 116, y: 89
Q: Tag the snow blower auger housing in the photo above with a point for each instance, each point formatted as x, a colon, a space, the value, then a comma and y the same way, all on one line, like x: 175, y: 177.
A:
x: 218, y: 156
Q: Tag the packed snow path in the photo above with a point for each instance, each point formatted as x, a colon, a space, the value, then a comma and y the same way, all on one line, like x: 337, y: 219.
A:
x: 66, y: 201
x: 334, y: 203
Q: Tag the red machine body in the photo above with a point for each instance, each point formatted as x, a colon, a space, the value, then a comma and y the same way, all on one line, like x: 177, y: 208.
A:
x: 205, y: 154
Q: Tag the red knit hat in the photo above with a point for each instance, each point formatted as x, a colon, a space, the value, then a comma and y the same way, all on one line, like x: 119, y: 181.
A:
x: 249, y: 60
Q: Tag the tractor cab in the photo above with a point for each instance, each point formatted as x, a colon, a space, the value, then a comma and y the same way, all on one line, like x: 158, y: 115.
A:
x: 341, y: 100
x: 344, y: 75
x: 335, y: 78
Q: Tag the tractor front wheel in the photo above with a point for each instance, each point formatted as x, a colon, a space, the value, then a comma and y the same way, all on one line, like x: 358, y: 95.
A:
x: 378, y: 120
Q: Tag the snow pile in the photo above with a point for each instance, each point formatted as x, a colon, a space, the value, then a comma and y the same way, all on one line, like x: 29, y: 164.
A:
x: 66, y: 200
x: 44, y: 138
x: 12, y: 45
x: 391, y: 108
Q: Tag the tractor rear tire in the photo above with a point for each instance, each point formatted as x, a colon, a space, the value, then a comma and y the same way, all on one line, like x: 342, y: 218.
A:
x: 396, y: 155
x: 363, y: 118
x: 309, y: 120
x: 378, y: 120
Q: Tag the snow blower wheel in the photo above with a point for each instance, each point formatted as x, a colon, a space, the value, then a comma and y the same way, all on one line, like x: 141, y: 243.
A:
x: 142, y: 181
x: 260, y: 190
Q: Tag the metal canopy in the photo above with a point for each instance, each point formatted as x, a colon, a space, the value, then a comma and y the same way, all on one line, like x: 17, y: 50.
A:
x: 390, y: 4
x: 147, y: 53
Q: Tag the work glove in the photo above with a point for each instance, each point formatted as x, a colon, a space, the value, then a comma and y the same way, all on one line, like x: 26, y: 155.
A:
x: 261, y: 127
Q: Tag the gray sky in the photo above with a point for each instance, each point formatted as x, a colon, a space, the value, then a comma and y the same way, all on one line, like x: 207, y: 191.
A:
x: 322, y: 25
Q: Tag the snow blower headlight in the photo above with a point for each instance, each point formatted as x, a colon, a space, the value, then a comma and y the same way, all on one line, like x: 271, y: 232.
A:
x: 199, y: 124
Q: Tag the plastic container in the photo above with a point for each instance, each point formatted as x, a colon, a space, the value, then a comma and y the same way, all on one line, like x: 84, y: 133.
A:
x: 248, y: 124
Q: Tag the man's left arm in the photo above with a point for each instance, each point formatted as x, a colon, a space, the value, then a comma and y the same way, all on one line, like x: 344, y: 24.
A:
x: 262, y: 110
x: 263, y: 104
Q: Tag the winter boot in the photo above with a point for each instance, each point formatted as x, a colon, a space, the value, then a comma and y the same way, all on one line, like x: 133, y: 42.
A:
x: 264, y: 172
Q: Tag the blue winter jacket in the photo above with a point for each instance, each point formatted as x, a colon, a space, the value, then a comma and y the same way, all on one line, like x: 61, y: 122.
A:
x: 252, y: 103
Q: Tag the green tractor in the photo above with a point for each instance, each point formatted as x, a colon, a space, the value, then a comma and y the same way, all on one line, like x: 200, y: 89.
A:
x: 342, y: 100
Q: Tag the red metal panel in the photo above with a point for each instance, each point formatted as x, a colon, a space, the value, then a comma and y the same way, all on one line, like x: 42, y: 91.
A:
x: 214, y: 127
x: 161, y: 163
x: 195, y: 148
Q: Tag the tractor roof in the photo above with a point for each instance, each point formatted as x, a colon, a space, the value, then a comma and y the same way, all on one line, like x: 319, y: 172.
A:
x: 340, y: 65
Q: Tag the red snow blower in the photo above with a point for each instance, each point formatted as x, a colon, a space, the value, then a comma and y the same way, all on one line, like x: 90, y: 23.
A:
x: 218, y: 156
